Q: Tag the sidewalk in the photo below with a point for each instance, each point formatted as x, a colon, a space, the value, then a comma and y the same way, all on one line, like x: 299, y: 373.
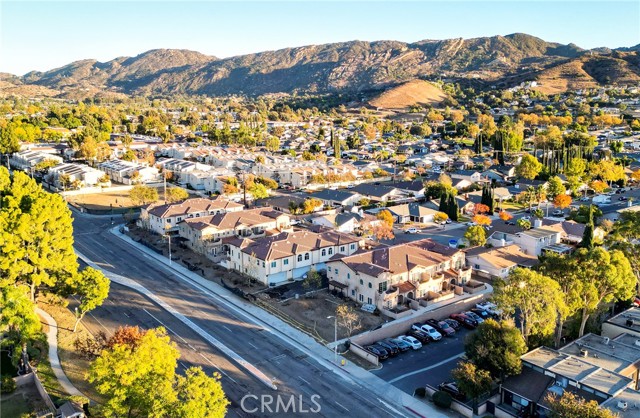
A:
x: 52, y: 339
x: 386, y: 393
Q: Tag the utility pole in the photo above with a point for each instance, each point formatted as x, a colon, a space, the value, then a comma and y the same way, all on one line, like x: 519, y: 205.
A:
x: 164, y: 177
x: 335, y: 338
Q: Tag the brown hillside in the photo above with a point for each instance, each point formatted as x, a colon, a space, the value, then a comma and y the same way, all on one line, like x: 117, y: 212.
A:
x: 409, y: 93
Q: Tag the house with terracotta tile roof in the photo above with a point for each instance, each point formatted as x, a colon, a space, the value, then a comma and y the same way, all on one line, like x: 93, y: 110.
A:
x: 163, y: 219
x: 205, y: 234
x: 393, y: 277
x: 281, y: 258
x: 498, y: 262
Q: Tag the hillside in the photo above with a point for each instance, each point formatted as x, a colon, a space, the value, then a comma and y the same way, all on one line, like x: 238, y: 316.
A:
x: 354, y: 66
x: 409, y: 93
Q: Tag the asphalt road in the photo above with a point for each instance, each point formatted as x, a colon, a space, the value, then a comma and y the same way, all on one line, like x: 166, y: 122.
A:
x: 295, y: 373
x: 431, y: 365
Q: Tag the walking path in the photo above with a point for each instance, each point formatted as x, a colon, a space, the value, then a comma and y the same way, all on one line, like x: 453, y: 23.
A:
x: 52, y: 339
x: 383, y: 390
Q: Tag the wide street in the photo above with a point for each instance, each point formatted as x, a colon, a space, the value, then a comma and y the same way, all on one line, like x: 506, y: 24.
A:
x: 293, y: 370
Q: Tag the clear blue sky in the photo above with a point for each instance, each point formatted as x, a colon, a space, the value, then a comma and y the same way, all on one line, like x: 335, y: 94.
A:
x: 48, y: 34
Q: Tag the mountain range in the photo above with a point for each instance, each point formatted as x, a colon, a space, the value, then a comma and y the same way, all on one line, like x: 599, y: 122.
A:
x: 354, y: 66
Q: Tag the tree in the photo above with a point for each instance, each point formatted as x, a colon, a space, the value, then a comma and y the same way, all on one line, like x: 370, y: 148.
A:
x: 272, y: 144
x: 382, y: 230
x: 535, y: 298
x: 452, y: 207
x: 598, y: 186
x: 440, y: 217
x: 562, y: 201
x: 17, y: 315
x: 176, y: 194
x: 624, y: 236
x: 505, y: 216
x: 603, y: 277
x: 143, y: 195
x: 587, y: 235
x: 482, y: 220
x: 348, y: 318
x: 570, y: 405
x: 472, y: 381
x: 313, y: 280
x: 258, y: 191
x: 199, y: 395
x: 36, y: 235
x: 555, y: 187
x: 480, y: 209
x: 476, y: 235
x: 386, y: 217
x: 310, y: 205
x: 496, y: 347
x: 92, y: 288
x: 529, y: 167
x: 524, y: 223
x: 138, y: 379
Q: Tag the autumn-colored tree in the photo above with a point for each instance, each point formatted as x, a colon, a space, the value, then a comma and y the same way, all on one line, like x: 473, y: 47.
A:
x: 529, y: 167
x: 440, y: 217
x: 382, y: 230
x: 482, y: 220
x: 386, y: 217
x: 472, y: 381
x: 480, y: 209
x: 505, y: 216
x: 143, y: 195
x: 562, y: 201
x: 598, y: 186
x: 636, y: 175
x: 176, y: 194
x: 126, y: 335
x: 348, y: 318
x: 311, y: 205
x: 570, y: 405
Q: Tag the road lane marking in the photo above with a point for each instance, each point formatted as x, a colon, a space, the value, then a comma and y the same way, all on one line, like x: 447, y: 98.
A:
x: 251, y: 344
x: 304, y: 380
x: 166, y: 326
x: 342, y: 406
x: 426, y: 368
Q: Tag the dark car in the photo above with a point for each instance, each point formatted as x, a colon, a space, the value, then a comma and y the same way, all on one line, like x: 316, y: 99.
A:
x: 400, y: 347
x: 452, y: 389
x: 622, y: 198
x: 474, y: 316
x: 391, y: 348
x: 464, y: 320
x: 420, y: 336
x: 481, y: 313
x: 442, y: 327
x: 453, y: 323
x: 378, y: 351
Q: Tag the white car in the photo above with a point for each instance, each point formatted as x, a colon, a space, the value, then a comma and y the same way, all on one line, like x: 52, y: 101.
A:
x: 412, y: 231
x: 429, y: 330
x: 415, y: 344
x: 491, y: 308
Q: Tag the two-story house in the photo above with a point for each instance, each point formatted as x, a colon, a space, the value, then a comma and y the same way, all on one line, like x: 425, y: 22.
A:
x: 532, y: 241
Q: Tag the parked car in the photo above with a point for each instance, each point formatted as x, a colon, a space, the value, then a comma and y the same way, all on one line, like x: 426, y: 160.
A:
x: 368, y: 307
x: 464, y: 320
x: 453, y: 323
x: 452, y: 389
x: 557, y: 212
x: 413, y: 342
x: 490, y: 307
x: 622, y: 198
x: 473, y: 315
x: 442, y: 327
x: 429, y: 330
x: 412, y: 231
x: 399, y: 344
x: 481, y: 313
x: 378, y: 351
x: 420, y: 336
x: 391, y: 348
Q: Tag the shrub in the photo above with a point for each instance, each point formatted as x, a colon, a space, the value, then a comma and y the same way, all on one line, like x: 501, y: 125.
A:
x: 7, y: 384
x: 442, y: 399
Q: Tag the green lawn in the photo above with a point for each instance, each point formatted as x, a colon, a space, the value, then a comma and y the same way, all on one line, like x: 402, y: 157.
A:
x: 14, y: 406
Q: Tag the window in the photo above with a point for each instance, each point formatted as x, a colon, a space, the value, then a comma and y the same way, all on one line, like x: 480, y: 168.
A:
x: 361, y: 298
x: 273, y: 264
x: 330, y: 251
x: 353, y: 292
x: 324, y: 252
x: 299, y: 257
x: 370, y: 285
x: 353, y: 246
x: 476, y: 266
x: 336, y: 270
x: 169, y: 221
x: 286, y: 261
x: 342, y: 249
x: 369, y: 301
x: 258, y: 262
x: 382, y: 287
x: 348, y: 275
x: 263, y: 264
x: 306, y: 256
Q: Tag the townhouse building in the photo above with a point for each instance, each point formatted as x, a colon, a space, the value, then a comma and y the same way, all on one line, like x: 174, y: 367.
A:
x: 163, y: 219
x: 127, y: 172
x: 286, y: 256
x: 392, y: 277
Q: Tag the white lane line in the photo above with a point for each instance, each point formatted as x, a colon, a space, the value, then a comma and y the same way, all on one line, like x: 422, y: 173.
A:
x: 166, y: 326
x: 426, y: 368
x: 342, y: 406
x: 304, y: 380
x: 252, y: 345
x: 217, y: 368
x: 227, y: 328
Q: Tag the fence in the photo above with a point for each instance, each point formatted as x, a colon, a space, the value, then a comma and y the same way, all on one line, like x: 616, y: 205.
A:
x: 361, y: 352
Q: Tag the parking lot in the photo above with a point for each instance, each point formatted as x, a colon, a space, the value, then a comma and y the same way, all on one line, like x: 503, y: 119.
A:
x: 432, y: 364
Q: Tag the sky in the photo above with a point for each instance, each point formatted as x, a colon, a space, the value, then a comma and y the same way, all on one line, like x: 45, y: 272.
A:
x: 43, y: 35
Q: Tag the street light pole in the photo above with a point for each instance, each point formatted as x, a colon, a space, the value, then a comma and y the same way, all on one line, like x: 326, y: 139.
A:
x: 169, y: 239
x: 335, y: 338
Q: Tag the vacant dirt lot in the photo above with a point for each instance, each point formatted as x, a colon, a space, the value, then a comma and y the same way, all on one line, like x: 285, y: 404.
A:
x: 310, y: 314
x: 103, y: 201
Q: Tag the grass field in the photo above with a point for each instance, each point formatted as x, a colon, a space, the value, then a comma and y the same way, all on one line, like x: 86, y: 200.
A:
x: 103, y: 201
x: 14, y: 406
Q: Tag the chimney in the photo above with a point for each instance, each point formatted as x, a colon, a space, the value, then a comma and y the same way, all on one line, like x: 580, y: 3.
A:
x: 537, y: 223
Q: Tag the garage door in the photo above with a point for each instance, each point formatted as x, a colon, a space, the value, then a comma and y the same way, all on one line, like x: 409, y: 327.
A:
x: 277, y: 278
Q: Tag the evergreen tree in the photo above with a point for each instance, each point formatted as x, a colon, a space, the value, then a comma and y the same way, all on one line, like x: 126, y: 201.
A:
x: 587, y: 236
x: 453, y: 208
x: 444, y: 196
